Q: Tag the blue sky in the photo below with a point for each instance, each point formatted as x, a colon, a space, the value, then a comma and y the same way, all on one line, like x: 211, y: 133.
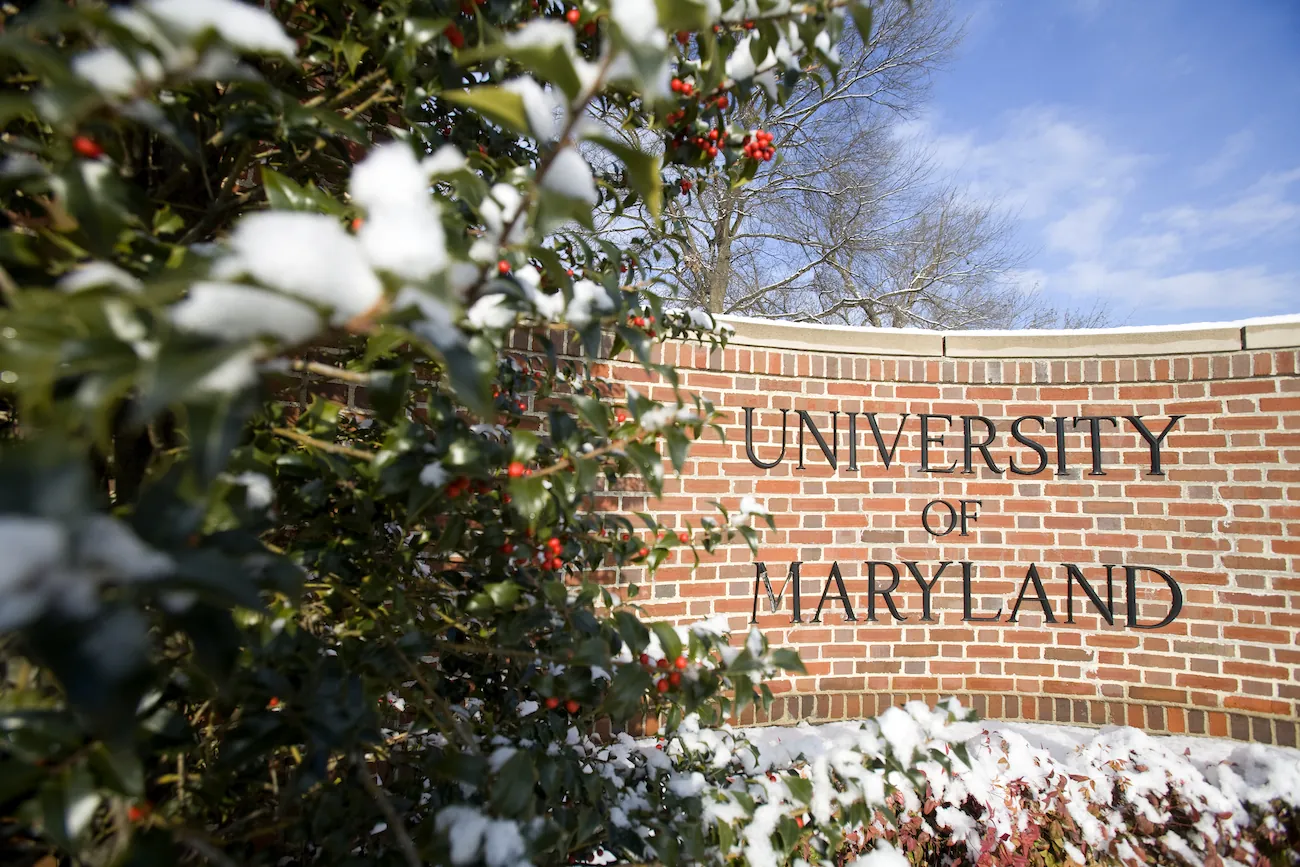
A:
x: 1149, y: 149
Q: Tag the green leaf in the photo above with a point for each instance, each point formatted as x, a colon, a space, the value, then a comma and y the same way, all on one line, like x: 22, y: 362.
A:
x: 788, y: 660
x: 678, y: 445
x: 800, y: 788
x: 593, y: 412
x: 644, y: 171
x: 503, y: 107
x: 668, y: 639
x: 118, y: 769
x: 282, y: 193
x: 861, y: 13
x: 547, y: 62
x: 512, y: 791
x: 650, y: 464
x: 504, y: 594
x: 632, y: 631
x: 352, y: 53
x: 523, y: 446
x: 630, y: 683
x: 528, y: 497
x: 683, y: 15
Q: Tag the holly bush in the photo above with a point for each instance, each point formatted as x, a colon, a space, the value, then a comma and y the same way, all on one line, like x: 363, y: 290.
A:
x: 244, y: 623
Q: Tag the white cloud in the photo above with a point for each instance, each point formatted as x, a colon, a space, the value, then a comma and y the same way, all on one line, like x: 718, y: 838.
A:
x: 1239, y: 292
x: 1083, y: 230
x: 1103, y: 229
x: 1040, y: 160
x: 1229, y: 157
x: 1264, y: 207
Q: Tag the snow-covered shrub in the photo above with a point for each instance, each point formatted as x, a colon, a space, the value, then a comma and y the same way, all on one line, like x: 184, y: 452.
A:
x: 989, y: 795
x: 243, y: 625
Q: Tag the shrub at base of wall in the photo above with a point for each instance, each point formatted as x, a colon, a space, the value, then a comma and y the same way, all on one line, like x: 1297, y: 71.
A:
x: 994, y: 795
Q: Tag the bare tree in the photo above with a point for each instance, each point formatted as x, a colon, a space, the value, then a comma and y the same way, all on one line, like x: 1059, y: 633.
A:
x: 853, y: 223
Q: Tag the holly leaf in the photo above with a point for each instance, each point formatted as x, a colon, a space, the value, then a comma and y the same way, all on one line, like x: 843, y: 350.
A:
x: 503, y: 107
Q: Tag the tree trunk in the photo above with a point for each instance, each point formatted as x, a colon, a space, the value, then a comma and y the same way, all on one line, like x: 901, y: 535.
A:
x: 721, y: 274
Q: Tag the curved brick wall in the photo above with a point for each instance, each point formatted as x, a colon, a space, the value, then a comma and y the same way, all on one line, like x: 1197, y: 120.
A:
x: 1223, y: 521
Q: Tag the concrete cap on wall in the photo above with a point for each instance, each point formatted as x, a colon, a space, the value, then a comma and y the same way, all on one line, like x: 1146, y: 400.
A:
x: 849, y: 339
x: 1275, y: 332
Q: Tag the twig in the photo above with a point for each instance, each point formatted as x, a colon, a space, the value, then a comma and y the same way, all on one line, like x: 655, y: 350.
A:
x: 404, y: 841
x: 566, y: 462
x: 202, y: 846
x: 227, y: 190
x: 312, y: 442
x: 331, y: 372
x: 348, y: 91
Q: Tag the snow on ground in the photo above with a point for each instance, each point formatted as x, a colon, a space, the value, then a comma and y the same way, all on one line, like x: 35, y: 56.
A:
x: 779, y: 745
x: 1181, y: 799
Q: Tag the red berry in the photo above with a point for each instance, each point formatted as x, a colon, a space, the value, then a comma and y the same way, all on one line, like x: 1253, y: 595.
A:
x: 573, y: 16
x: 713, y: 135
x: 663, y: 663
x: 685, y: 185
x: 675, y: 678
x: 723, y: 102
x: 749, y: 25
x: 571, y: 706
x: 454, y: 36
x: 688, y: 89
x: 552, y: 703
x: 507, y: 547
x: 555, y: 545
x: 515, y: 470
x: 274, y: 702
x: 681, y: 662
x: 137, y: 812
x: 643, y: 552
x: 357, y: 223
x: 645, y: 659
x: 683, y: 37
x: 87, y: 147
x: 676, y: 85
x: 662, y: 686
x: 503, y: 267
x: 556, y: 564
x: 590, y: 29
x: 683, y: 538
x: 620, y: 416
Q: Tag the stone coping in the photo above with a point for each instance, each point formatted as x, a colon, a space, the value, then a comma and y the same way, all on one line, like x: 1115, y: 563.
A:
x: 1274, y: 332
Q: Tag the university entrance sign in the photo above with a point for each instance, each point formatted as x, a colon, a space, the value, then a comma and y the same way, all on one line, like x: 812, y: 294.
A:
x: 978, y: 435
x: 1088, y: 527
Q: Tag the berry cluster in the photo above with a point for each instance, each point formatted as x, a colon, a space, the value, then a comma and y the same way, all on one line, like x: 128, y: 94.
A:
x: 571, y: 706
x: 685, y: 88
x: 758, y: 146
x: 548, y: 555
x: 87, y: 147
x: 642, y: 322
x: 672, y: 671
x: 461, y: 485
x: 553, y: 548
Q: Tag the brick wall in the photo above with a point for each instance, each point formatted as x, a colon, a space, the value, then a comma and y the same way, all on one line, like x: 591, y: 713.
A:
x: 1223, y: 521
